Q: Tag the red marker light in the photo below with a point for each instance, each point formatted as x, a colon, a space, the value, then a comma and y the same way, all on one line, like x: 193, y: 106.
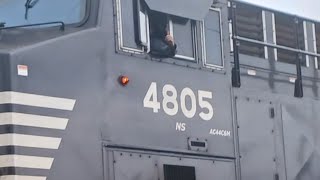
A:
x: 124, y: 80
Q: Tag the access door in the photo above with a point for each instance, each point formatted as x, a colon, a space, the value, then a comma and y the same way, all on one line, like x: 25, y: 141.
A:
x: 255, y: 120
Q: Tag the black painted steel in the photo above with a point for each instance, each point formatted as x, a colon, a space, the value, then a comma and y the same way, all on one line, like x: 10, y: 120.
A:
x: 236, y: 79
x: 298, y: 87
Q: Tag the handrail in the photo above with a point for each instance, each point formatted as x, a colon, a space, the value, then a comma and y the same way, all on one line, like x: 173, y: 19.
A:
x: 236, y: 81
x: 277, y: 46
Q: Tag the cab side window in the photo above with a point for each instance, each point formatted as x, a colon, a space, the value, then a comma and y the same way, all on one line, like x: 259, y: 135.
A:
x: 189, y: 39
x: 183, y: 32
x: 132, y: 23
x: 162, y: 43
x: 212, y: 45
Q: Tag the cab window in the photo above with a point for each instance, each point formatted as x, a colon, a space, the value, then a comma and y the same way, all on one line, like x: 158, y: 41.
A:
x: 212, y: 45
x: 141, y: 30
x: 131, y: 26
x: 183, y: 33
x: 23, y: 12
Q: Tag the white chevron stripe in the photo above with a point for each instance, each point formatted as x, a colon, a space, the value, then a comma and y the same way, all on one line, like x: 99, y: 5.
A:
x: 29, y: 141
x: 10, y: 97
x: 25, y: 161
x: 33, y: 120
x: 17, y: 177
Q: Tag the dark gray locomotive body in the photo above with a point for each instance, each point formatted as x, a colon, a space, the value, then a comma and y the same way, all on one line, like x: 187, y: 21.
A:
x: 82, y: 99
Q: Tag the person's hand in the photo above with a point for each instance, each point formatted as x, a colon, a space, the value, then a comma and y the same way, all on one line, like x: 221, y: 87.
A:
x: 169, y: 39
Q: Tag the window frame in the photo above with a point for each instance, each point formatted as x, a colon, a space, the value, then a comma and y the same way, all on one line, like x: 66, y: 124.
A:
x: 194, y: 42
x: 203, y: 43
x: 121, y: 46
x: 86, y: 15
x: 143, y: 52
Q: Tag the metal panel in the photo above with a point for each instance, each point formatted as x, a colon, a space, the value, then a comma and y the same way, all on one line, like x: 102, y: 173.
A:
x: 128, y: 166
x: 206, y: 169
x: 301, y: 137
x: 135, y: 165
x: 257, y: 148
x: 191, y: 9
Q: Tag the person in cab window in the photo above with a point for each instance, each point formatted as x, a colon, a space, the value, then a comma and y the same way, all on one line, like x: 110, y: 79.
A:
x: 161, y: 42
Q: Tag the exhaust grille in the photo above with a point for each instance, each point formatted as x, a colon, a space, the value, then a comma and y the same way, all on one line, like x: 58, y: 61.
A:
x: 173, y: 172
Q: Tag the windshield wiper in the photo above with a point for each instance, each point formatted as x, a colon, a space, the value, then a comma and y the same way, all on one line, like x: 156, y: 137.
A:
x: 62, y: 27
x: 29, y: 5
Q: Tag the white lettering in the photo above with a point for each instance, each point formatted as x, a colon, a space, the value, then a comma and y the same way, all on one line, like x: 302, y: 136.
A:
x: 170, y: 101
x: 219, y: 132
x: 180, y: 126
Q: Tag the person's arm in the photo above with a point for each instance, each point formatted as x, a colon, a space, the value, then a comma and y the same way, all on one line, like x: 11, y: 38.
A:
x: 173, y: 46
x: 162, y: 44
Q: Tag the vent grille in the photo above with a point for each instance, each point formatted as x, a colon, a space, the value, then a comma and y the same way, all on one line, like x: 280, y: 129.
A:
x: 250, y: 25
x: 286, y: 36
x: 173, y: 172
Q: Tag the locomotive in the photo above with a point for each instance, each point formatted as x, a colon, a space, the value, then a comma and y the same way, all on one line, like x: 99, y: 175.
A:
x: 82, y: 97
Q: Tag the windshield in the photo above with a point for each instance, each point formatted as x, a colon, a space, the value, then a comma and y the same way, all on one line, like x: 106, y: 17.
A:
x: 16, y: 12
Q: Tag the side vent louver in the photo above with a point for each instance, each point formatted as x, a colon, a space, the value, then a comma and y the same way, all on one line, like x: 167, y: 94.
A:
x: 285, y: 34
x: 250, y: 25
x: 174, y: 172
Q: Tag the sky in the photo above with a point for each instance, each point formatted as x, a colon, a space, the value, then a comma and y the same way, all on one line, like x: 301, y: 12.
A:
x: 304, y: 8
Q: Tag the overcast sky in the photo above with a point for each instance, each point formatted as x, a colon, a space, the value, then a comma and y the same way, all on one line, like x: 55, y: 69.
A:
x: 304, y: 8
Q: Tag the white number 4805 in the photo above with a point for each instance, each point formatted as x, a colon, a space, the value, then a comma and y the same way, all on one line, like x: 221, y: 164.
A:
x: 170, y: 103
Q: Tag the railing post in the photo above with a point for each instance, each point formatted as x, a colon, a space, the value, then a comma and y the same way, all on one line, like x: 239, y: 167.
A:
x: 298, y: 87
x: 236, y: 81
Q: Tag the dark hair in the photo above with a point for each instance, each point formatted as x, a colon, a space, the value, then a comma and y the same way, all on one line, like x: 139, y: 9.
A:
x: 158, y: 22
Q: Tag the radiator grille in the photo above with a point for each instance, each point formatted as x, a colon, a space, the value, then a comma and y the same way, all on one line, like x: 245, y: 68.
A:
x: 286, y: 36
x: 173, y: 172
x: 250, y: 25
